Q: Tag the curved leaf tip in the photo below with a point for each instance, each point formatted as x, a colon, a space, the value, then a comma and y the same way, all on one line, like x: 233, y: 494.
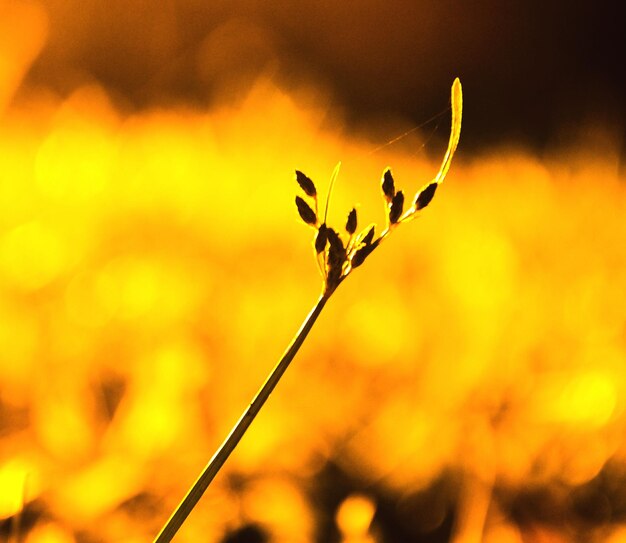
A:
x: 455, y: 131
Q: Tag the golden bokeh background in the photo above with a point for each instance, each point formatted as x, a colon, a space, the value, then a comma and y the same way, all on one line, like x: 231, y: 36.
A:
x: 467, y: 384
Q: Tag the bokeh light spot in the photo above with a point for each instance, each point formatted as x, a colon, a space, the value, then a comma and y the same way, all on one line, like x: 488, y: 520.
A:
x: 32, y: 255
x: 13, y: 484
x: 587, y: 398
x: 50, y: 532
x: 354, y: 517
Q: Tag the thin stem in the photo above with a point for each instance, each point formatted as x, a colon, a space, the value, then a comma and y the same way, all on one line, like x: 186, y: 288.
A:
x: 212, y: 468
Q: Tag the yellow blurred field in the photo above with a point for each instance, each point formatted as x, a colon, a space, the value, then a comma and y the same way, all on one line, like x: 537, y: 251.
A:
x: 152, y: 270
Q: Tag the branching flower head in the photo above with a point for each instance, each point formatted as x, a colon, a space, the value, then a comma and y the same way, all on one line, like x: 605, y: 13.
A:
x: 338, y: 253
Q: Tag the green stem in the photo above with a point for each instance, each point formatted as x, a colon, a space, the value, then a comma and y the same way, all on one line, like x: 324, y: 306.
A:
x: 212, y: 468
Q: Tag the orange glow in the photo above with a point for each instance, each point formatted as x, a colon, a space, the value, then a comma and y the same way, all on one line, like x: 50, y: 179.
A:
x: 23, y: 29
x: 152, y: 269
x: 354, y: 517
x: 50, y: 533
x: 13, y: 480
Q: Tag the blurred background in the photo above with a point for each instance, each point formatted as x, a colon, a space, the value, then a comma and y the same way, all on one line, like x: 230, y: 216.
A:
x: 468, y: 384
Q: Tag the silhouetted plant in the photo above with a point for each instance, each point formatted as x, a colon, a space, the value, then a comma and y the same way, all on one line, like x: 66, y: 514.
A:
x: 337, y: 257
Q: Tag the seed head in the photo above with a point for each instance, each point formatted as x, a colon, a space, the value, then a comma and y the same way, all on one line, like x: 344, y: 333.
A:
x: 361, y: 254
x: 351, y: 222
x: 336, y: 258
x: 359, y: 257
x: 306, y: 184
x: 336, y: 252
x: 321, y: 238
x: 388, y: 186
x: 305, y: 211
x: 396, y: 207
x: 367, y: 239
x: 425, y: 196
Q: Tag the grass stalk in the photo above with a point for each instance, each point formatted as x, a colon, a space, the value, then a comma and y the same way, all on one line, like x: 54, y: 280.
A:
x: 337, y: 253
x: 212, y: 468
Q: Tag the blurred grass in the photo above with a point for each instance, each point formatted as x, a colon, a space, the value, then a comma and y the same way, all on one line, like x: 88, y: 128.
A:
x: 152, y: 268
